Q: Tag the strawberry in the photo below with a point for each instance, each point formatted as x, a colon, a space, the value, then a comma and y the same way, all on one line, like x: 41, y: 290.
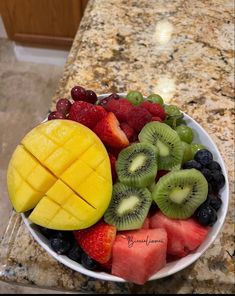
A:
x: 160, y: 174
x: 138, y: 117
x: 120, y: 108
x: 113, y: 151
x: 84, y: 113
x: 110, y: 133
x: 129, y: 131
x: 101, y: 112
x: 107, y: 266
x: 113, y: 159
x: 155, y: 109
x: 97, y: 241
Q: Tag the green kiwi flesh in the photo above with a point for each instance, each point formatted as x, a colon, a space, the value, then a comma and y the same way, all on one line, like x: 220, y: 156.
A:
x: 128, y: 208
x: 167, y: 141
x: 137, y: 165
x: 179, y: 193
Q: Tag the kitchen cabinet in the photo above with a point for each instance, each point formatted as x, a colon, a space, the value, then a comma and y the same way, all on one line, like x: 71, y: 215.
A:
x: 44, y: 22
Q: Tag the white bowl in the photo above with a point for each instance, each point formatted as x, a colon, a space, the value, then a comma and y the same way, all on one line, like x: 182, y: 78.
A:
x: 202, y: 137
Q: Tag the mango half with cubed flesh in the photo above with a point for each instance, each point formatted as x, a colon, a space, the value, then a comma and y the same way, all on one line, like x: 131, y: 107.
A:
x: 62, y: 171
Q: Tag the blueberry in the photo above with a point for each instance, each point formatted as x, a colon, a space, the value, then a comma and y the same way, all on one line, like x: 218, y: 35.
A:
x: 204, y: 157
x: 214, y: 186
x: 67, y: 235
x: 75, y: 253
x: 207, y: 174
x: 206, y: 215
x: 88, y: 262
x: 60, y: 245
x: 48, y: 233
x: 210, y: 188
x: 214, y: 165
x: 218, y: 179
x: 192, y: 164
x: 214, y: 201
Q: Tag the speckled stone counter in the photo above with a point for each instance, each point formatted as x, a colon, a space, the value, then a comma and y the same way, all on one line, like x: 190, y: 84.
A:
x: 182, y: 50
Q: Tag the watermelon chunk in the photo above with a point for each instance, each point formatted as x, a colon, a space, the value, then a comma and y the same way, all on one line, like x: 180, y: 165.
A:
x: 146, y: 223
x: 184, y: 236
x: 139, y: 254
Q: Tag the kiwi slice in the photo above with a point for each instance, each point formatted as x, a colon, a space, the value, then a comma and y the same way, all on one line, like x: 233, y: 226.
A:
x: 167, y: 141
x: 128, y: 208
x: 178, y: 194
x: 137, y: 165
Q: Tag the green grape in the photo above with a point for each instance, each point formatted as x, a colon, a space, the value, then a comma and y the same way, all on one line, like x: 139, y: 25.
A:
x: 172, y: 110
x: 135, y: 97
x: 174, y: 116
x: 155, y: 98
x: 196, y: 147
x: 185, y: 133
x: 181, y: 121
x: 188, y: 154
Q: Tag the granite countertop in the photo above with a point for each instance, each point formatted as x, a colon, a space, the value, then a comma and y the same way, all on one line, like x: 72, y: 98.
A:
x: 182, y: 50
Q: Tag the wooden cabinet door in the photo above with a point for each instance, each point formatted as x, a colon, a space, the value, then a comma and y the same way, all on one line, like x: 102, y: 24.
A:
x: 51, y: 22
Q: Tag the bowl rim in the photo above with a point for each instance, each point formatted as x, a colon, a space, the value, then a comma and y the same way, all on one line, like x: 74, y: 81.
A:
x: 192, y: 256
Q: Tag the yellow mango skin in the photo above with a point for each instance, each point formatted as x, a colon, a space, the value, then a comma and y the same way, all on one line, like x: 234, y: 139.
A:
x: 62, y: 171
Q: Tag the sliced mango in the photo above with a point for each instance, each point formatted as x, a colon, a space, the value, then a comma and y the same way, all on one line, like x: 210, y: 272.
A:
x: 57, y: 132
x: 63, y: 220
x: 41, y: 179
x: 38, y: 145
x: 102, y: 169
x: 54, y: 193
x: 59, y: 161
x: 22, y: 159
x: 95, y: 194
x: 76, y: 174
x: 61, y: 170
x: 44, y: 212
x: 94, y: 155
x: 79, y: 143
x: 25, y: 198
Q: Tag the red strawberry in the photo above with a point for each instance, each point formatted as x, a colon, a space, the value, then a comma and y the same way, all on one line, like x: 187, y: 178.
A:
x: 84, y: 113
x: 113, y: 159
x: 138, y: 117
x: 156, y: 118
x: 155, y: 109
x: 97, y: 241
x: 110, y: 133
x: 160, y: 174
x: 101, y: 112
x: 113, y: 151
x: 120, y: 108
x: 129, y: 131
x: 107, y: 266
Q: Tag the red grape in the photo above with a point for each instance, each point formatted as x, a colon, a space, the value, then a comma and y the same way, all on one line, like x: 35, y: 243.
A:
x: 114, y: 96
x: 104, y: 101
x: 91, y: 96
x: 63, y: 106
x: 78, y: 93
x: 56, y: 115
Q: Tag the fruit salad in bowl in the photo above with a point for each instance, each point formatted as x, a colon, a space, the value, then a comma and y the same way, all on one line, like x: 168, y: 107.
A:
x: 120, y: 187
